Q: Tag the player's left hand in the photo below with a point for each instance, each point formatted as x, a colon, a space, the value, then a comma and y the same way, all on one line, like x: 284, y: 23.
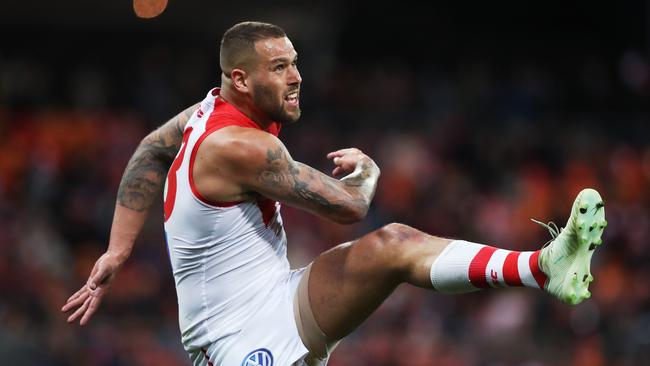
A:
x: 346, y: 160
x: 86, y: 301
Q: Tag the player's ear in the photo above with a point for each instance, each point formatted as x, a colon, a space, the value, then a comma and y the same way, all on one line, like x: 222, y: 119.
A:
x: 239, y: 80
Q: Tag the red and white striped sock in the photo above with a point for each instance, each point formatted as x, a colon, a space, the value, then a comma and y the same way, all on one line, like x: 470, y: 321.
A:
x: 464, y: 267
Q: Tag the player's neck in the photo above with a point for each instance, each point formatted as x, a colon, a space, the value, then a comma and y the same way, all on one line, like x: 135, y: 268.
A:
x: 245, y: 106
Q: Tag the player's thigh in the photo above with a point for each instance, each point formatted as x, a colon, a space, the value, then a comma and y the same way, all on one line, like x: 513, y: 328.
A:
x: 348, y: 282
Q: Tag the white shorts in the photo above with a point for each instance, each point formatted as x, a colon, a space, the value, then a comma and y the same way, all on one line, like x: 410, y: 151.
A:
x: 269, y: 338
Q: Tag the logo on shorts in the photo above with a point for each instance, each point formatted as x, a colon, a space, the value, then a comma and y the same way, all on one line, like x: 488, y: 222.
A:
x: 259, y: 357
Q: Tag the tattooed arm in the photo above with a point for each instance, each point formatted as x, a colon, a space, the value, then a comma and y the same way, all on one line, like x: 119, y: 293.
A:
x: 259, y: 162
x: 141, y: 184
x: 143, y: 180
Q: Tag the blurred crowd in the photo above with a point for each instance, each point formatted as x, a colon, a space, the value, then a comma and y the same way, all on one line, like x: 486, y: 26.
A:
x: 471, y: 151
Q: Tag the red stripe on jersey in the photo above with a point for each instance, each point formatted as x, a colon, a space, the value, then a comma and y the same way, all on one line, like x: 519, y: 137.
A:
x: 511, y: 270
x: 539, y: 276
x: 223, y: 115
x: 170, y: 197
x: 478, y: 265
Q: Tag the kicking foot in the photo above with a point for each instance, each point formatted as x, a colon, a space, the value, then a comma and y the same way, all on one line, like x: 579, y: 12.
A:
x: 566, y: 261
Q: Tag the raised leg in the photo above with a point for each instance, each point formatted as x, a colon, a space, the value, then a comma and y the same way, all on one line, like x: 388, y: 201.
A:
x: 347, y: 283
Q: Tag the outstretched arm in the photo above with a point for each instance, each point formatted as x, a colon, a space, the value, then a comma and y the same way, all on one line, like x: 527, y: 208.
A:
x: 141, y: 184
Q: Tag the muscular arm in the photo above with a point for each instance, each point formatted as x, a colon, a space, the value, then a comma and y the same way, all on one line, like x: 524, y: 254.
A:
x: 143, y: 180
x: 141, y: 184
x: 262, y: 164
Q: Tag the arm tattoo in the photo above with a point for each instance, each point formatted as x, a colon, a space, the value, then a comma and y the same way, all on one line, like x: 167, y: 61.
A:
x: 303, y: 190
x: 278, y: 169
x: 145, y: 173
x: 272, y: 175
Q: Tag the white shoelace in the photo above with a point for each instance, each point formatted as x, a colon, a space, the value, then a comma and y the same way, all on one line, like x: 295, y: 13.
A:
x: 552, y: 229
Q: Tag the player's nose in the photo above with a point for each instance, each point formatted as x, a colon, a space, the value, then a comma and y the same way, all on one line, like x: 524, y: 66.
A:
x: 294, y: 76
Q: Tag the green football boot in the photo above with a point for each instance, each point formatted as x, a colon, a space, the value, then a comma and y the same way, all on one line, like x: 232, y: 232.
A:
x: 566, y: 260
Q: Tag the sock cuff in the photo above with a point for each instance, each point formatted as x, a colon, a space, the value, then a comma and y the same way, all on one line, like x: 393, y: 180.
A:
x: 449, y: 271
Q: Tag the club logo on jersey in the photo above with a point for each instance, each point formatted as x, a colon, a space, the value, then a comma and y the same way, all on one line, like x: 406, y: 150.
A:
x: 259, y: 357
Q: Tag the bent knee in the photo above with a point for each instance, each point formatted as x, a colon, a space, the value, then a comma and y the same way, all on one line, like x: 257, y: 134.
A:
x: 390, y: 247
x: 390, y: 241
x: 398, y: 234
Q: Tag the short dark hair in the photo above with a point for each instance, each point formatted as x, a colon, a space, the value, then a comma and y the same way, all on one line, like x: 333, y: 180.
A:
x: 239, y: 41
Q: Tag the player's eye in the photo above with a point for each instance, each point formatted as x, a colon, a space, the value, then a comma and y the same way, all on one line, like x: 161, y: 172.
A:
x: 279, y: 67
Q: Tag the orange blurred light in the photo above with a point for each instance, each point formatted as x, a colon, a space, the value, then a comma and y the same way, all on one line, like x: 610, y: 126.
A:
x: 149, y: 8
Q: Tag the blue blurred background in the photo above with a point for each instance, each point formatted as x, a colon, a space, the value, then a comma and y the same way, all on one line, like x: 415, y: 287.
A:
x: 481, y: 116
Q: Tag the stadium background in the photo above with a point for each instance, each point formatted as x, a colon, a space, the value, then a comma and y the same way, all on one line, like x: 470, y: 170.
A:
x: 481, y: 116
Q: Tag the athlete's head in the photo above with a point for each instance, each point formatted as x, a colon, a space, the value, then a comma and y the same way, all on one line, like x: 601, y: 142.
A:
x: 258, y: 60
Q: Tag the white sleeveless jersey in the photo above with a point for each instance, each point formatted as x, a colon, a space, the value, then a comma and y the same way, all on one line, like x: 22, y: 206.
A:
x: 226, y: 257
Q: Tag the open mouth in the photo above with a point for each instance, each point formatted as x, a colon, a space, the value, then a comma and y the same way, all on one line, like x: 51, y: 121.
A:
x: 292, y: 98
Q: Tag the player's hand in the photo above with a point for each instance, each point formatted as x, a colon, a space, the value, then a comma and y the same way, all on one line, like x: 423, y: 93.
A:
x: 346, y: 160
x: 86, y: 301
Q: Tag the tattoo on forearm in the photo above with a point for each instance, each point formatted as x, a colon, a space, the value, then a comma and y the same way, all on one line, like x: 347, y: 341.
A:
x: 279, y: 169
x: 303, y: 190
